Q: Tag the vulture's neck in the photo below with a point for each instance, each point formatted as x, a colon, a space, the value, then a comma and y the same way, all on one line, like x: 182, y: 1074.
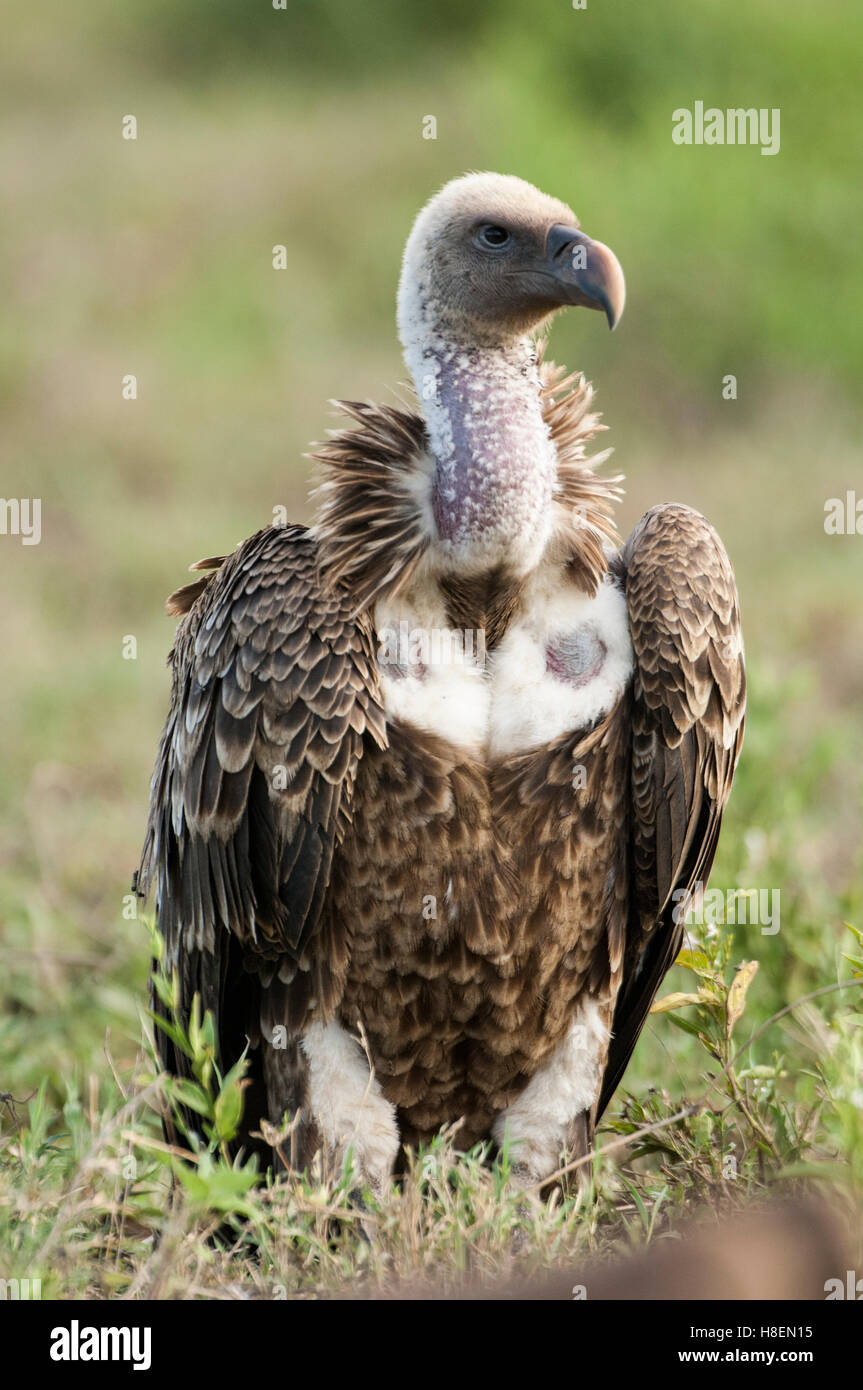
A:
x: 494, y: 463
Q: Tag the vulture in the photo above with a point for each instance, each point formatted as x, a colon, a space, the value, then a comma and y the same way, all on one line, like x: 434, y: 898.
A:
x: 442, y: 769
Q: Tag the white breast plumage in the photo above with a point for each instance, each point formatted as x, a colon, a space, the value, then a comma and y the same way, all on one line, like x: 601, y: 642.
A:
x: 564, y: 662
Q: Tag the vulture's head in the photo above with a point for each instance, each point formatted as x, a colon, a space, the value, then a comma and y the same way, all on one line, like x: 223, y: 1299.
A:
x: 490, y: 257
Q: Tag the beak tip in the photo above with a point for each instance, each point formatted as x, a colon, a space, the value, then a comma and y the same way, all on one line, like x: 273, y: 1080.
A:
x: 596, y: 281
x: 612, y: 306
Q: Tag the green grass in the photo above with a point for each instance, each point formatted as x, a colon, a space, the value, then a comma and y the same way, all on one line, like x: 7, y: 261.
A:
x: 95, y: 1204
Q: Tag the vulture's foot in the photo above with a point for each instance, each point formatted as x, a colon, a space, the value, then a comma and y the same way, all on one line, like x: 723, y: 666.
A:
x: 356, y: 1123
x: 550, y: 1124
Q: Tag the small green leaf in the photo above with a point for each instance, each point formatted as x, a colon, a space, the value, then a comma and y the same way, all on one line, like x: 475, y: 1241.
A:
x: 679, y: 1001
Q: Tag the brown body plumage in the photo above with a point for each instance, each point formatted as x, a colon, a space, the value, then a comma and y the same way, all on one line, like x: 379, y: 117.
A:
x: 323, y: 862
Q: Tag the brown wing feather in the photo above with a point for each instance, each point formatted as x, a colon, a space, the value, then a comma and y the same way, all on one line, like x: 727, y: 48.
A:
x: 688, y: 699
x: 274, y: 690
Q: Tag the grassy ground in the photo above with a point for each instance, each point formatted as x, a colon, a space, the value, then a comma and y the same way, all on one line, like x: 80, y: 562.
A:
x: 153, y: 258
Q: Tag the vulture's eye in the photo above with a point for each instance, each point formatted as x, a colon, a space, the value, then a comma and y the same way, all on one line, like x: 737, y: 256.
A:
x: 492, y: 237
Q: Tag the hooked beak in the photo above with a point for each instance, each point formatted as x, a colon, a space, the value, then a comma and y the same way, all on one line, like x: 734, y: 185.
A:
x: 586, y: 272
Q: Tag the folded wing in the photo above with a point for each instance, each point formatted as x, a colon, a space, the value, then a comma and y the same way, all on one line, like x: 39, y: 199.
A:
x: 688, y: 699
x: 274, y: 692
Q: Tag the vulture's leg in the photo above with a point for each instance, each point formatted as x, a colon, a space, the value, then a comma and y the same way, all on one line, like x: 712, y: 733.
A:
x: 348, y: 1106
x: 550, y: 1123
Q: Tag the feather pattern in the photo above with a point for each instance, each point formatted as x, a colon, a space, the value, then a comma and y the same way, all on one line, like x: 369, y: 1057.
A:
x: 317, y: 890
x: 274, y: 691
x: 688, y: 703
x: 480, y: 914
x: 433, y: 873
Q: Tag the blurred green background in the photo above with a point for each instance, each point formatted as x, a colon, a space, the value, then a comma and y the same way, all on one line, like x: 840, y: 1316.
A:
x: 304, y: 127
